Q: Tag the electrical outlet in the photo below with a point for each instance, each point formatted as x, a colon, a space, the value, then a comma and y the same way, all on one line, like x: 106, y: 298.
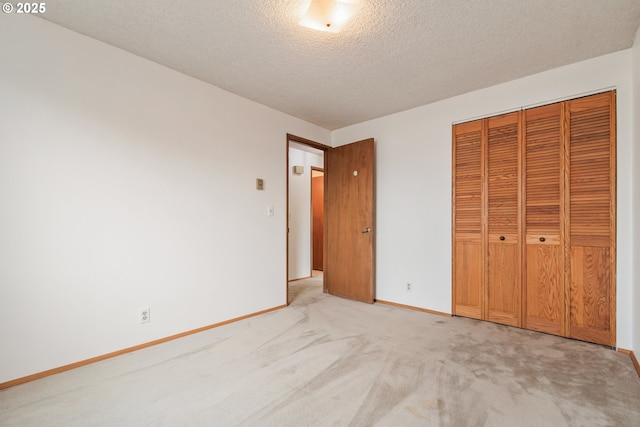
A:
x: 145, y: 315
x: 408, y: 287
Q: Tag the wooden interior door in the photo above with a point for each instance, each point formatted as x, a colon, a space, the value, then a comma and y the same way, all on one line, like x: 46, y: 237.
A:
x: 468, y: 228
x: 591, y: 228
x: 503, y: 284
x: 317, y: 220
x: 543, y: 206
x: 349, y: 221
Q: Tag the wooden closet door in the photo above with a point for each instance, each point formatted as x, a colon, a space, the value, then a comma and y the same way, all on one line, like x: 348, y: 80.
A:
x: 503, y: 285
x: 591, y: 218
x: 468, y: 250
x: 543, y: 164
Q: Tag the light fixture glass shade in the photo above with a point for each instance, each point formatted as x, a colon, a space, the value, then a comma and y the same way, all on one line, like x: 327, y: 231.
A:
x: 328, y: 15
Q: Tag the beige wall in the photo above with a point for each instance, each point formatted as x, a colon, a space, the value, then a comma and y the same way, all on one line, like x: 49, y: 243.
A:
x: 636, y: 194
x: 125, y: 184
x: 413, y: 182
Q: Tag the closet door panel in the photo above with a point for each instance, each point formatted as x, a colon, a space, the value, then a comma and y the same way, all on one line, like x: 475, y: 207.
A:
x: 591, y: 218
x: 544, y: 290
x: 468, y: 270
x: 590, y: 294
x: 503, y: 299
x: 503, y: 284
x: 468, y: 276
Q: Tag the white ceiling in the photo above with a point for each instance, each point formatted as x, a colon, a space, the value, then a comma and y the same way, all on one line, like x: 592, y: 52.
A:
x: 394, y: 54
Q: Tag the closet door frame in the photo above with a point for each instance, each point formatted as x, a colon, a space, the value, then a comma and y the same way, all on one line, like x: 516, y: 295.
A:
x: 463, y: 241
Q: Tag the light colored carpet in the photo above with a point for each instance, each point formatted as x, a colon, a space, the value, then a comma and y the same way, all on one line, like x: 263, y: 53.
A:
x: 330, y: 361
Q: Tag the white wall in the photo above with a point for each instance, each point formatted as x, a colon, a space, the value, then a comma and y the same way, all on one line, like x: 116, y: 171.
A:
x: 300, y: 212
x: 413, y: 160
x: 125, y: 184
x: 636, y: 194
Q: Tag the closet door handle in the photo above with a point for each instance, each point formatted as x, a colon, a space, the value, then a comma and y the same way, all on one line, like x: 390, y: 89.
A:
x: 542, y: 239
x: 502, y: 237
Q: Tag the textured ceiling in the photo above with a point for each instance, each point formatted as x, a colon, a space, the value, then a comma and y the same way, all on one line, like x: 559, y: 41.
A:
x: 394, y: 54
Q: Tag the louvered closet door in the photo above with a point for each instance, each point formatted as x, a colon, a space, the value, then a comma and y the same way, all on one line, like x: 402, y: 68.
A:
x: 503, y: 288
x: 544, y: 291
x: 591, y: 227
x: 467, y: 219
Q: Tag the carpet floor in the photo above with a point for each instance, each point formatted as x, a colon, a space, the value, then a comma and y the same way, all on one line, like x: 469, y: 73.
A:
x: 328, y: 361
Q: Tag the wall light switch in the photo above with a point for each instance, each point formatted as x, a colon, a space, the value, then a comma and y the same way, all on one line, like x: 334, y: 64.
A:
x: 269, y: 210
x: 259, y: 184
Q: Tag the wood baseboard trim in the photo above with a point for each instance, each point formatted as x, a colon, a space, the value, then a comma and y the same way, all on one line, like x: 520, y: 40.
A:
x: 81, y: 363
x: 410, y: 307
x: 634, y: 360
x: 300, y: 278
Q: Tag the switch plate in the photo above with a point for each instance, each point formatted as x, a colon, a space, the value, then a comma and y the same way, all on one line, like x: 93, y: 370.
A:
x: 270, y: 211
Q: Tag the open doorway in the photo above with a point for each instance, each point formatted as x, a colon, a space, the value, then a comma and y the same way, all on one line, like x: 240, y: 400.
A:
x: 348, y: 247
x: 305, y: 211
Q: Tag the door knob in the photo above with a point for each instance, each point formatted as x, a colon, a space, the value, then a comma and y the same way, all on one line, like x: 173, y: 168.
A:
x: 502, y: 237
x: 542, y: 239
x: 366, y: 230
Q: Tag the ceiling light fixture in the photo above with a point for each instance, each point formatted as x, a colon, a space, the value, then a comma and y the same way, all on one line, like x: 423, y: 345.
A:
x: 328, y: 15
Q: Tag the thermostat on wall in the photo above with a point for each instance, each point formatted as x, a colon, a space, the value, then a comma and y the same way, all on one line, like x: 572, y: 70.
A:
x: 298, y: 170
